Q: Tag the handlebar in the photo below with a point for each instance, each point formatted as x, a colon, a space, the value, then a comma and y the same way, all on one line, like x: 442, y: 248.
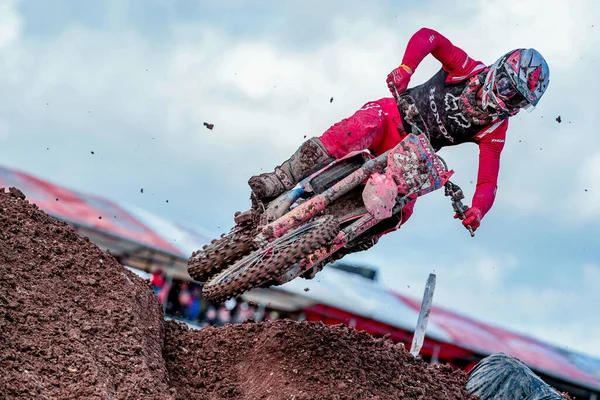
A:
x: 456, y: 195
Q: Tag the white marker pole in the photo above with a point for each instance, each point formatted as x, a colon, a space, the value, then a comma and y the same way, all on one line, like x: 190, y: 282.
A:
x: 419, y: 335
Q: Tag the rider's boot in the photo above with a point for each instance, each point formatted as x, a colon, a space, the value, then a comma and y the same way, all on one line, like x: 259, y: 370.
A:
x: 310, y: 157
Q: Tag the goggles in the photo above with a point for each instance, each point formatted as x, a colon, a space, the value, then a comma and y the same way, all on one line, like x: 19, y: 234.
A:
x: 510, y: 95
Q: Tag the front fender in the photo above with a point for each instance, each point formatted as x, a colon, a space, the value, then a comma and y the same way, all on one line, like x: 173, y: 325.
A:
x: 380, y: 195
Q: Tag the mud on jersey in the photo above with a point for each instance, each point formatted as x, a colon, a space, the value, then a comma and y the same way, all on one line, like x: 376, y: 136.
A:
x: 448, y: 111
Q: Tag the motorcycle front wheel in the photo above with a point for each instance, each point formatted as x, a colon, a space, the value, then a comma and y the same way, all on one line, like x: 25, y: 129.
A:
x: 271, y: 261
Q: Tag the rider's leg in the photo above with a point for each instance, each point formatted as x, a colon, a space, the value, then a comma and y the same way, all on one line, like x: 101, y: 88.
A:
x: 309, y: 157
x: 500, y: 376
x: 350, y: 134
x: 357, y: 132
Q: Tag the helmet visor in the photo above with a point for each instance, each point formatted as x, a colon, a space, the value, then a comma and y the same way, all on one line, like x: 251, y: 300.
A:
x: 510, y: 95
x: 505, y: 88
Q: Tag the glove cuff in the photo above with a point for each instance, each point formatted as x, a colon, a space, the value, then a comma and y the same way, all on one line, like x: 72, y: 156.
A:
x: 406, y: 68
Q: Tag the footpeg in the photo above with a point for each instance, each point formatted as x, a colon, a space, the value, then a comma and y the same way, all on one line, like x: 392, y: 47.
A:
x: 242, y: 217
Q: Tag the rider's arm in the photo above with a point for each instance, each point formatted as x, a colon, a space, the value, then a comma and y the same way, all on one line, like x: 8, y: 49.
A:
x: 491, y: 143
x: 428, y: 41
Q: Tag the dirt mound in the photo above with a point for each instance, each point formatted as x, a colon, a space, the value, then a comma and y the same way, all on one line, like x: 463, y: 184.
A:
x: 73, y: 322
x: 76, y: 324
x: 300, y: 360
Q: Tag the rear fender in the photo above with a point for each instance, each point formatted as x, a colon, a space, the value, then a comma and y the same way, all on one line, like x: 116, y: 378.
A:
x: 281, y: 205
x: 305, y: 183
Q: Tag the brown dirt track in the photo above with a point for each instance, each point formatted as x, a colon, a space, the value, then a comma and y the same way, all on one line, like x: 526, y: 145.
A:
x: 75, y: 324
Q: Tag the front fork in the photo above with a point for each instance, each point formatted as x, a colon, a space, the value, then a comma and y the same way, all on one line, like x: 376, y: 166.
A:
x: 354, y: 230
x: 367, y: 221
x: 345, y: 236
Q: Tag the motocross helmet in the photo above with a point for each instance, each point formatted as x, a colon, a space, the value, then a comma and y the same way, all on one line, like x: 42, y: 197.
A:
x: 516, y: 80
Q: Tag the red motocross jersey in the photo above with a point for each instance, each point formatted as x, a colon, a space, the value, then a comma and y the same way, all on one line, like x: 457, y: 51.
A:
x: 447, y: 104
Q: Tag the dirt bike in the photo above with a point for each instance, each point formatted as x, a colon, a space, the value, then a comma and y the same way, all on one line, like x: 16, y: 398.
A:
x: 342, y: 208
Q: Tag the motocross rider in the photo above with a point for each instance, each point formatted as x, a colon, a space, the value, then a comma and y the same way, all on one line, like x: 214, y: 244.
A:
x: 466, y: 101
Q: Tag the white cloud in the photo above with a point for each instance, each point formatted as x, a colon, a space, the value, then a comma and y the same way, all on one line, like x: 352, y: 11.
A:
x: 10, y: 23
x: 558, y: 28
x: 562, y: 313
x: 255, y: 92
x: 585, y: 204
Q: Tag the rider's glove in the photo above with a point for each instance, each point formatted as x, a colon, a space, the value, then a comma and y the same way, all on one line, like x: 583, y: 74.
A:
x: 398, y: 80
x: 472, y: 218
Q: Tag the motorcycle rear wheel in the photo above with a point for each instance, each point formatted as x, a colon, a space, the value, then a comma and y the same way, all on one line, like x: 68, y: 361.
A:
x: 271, y: 261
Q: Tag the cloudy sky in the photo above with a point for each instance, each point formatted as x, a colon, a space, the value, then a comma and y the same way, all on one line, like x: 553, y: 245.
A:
x: 135, y: 81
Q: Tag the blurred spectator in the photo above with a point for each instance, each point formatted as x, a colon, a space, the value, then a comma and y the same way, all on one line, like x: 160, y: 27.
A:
x: 158, y: 280
x: 244, y: 312
x: 193, y: 309
x: 184, y: 298
x: 223, y: 315
x: 164, y: 293
x: 210, y: 318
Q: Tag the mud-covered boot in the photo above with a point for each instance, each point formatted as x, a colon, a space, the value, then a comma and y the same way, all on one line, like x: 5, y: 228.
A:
x: 310, y: 157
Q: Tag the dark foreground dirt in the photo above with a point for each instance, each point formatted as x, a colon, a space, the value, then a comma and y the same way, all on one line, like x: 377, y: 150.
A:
x: 73, y: 322
x: 76, y: 324
x: 300, y: 360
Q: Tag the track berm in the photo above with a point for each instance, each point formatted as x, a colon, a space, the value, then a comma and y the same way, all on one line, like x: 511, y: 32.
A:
x: 74, y: 323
